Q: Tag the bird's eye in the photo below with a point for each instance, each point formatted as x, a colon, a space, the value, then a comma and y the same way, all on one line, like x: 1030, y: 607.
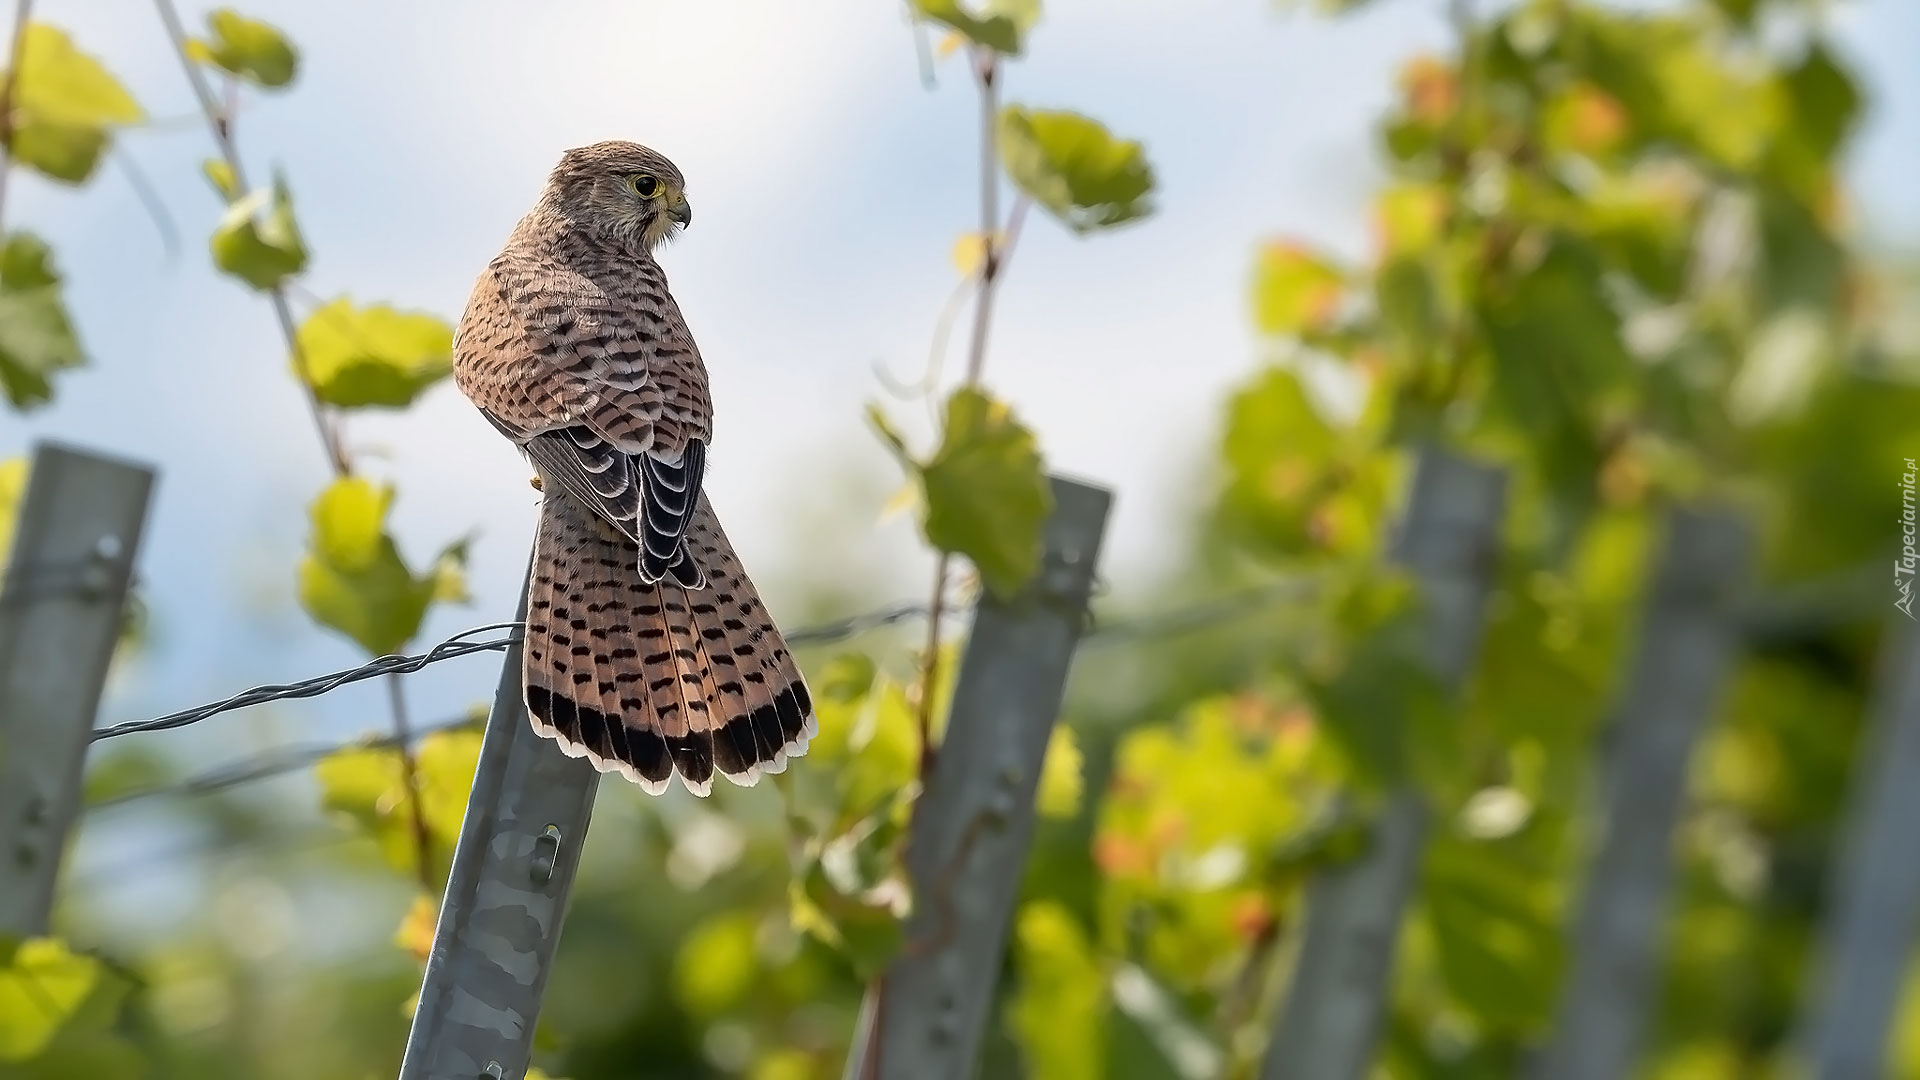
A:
x: 645, y: 186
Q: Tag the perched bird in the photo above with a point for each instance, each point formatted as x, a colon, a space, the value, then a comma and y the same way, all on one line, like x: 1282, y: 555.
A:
x: 647, y: 649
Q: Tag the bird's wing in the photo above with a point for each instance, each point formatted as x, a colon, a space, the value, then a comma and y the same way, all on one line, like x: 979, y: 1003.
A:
x: 603, y: 389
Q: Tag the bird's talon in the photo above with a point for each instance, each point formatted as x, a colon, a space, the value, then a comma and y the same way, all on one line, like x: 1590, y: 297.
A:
x: 535, y: 481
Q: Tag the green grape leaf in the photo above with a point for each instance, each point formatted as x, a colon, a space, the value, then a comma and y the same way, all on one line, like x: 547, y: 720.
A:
x: 58, y: 80
x: 985, y: 492
x: 1380, y: 702
x: 13, y: 487
x: 359, y: 356
x: 1801, y: 262
x: 1000, y: 25
x: 1198, y: 816
x: 1491, y: 908
x: 366, y: 785
x: 261, y: 251
x: 42, y: 988
x: 870, y: 932
x: 220, y: 174
x: 36, y: 337
x: 851, y: 893
x: 1407, y: 298
x: 1823, y: 107
x: 63, y: 151
x: 882, y: 745
x: 65, y: 106
x: 90, y: 1055
x: 1075, y: 168
x: 1584, y: 119
x: 414, y: 935
x: 446, y: 761
x: 1274, y: 436
x: 1557, y: 355
x: 1058, y: 1013
x: 353, y: 579
x: 1408, y: 217
x: 1293, y: 487
x: 1674, y: 87
x: 1646, y: 227
x: 1826, y: 101
x: 1062, y: 782
x: 1295, y: 292
x: 248, y: 48
x: 57, y: 1012
x: 357, y: 783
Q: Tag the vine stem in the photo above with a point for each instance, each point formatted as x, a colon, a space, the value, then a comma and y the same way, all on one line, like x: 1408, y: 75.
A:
x: 220, y: 121
x: 994, y: 253
x: 986, y: 70
x: 16, y: 49
x: 993, y: 260
x: 930, y: 664
x: 410, y: 775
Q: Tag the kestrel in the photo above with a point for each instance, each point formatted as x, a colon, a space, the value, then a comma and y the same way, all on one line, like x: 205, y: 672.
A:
x: 647, y: 648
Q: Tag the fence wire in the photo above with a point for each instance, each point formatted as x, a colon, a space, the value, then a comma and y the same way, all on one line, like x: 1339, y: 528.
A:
x: 278, y: 761
x: 460, y: 645
x: 286, y: 759
x: 457, y: 645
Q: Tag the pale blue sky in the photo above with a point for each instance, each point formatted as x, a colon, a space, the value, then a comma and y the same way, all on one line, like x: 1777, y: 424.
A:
x: 830, y: 187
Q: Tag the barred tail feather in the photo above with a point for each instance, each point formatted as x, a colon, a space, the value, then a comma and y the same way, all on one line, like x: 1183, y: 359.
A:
x: 650, y: 679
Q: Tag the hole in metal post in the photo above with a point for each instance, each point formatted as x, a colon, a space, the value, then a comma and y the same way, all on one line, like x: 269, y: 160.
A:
x: 546, y: 851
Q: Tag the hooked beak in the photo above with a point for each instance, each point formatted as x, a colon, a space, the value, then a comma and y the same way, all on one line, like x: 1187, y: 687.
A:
x: 681, y: 211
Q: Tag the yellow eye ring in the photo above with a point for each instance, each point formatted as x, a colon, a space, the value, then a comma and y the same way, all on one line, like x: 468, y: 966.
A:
x: 644, y: 185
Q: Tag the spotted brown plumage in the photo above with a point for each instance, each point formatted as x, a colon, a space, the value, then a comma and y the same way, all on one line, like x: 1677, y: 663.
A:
x: 648, y: 650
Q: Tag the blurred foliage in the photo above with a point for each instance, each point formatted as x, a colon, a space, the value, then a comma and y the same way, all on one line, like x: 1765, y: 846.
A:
x: 1000, y: 25
x: 1060, y: 1012
x: 58, y: 1010
x: 1612, y: 254
x: 13, y: 488
x: 367, y: 787
x: 63, y: 106
x: 1611, y: 257
x: 353, y: 579
x: 247, y: 48
x: 36, y: 337
x: 359, y: 356
x: 1074, y: 168
x: 258, y: 240
x: 982, y: 492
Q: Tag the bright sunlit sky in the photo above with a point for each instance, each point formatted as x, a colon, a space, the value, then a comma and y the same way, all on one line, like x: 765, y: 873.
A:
x: 830, y: 186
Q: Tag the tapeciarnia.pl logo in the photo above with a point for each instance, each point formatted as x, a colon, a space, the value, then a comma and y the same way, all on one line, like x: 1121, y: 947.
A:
x: 1903, y: 567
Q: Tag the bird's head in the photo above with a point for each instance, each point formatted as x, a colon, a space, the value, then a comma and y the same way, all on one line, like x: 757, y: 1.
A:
x: 623, y: 190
